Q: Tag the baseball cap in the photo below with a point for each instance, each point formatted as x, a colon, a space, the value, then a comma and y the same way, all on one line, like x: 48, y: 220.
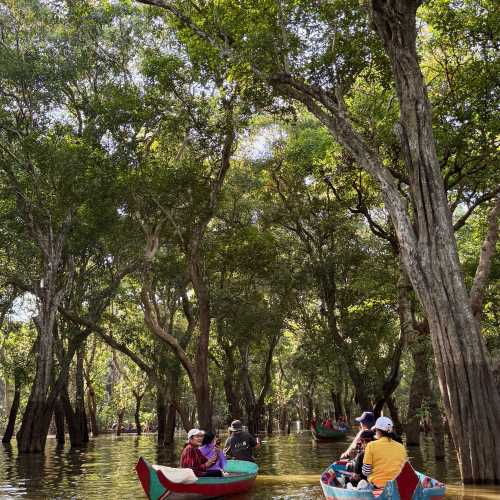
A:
x: 194, y: 432
x: 383, y: 424
x: 366, y: 418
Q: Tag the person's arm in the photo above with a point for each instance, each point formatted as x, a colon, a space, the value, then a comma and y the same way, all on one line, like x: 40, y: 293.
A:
x: 227, y: 447
x: 352, y: 446
x: 253, y: 442
x: 194, y: 459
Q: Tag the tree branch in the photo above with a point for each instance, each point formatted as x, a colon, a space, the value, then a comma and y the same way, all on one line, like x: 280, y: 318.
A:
x: 488, y: 250
x: 487, y: 196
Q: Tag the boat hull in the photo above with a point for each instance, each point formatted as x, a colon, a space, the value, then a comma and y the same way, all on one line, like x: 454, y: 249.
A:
x: 158, y: 487
x: 325, y: 435
x: 394, y: 490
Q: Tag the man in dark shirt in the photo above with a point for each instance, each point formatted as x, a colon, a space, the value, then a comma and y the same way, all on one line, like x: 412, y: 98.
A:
x: 240, y: 444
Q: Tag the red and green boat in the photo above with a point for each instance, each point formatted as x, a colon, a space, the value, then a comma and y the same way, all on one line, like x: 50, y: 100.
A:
x: 241, y: 477
x: 320, y: 433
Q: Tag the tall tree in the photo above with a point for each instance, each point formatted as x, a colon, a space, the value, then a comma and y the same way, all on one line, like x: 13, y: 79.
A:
x: 275, y: 35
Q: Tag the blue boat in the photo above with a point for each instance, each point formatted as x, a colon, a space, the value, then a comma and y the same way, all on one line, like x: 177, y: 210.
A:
x: 409, y: 485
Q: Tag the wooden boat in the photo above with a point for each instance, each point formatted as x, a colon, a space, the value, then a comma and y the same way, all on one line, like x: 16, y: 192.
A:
x: 319, y: 433
x: 409, y: 485
x: 157, y: 487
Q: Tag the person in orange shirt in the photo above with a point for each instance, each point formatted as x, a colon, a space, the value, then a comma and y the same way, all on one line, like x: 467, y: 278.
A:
x: 385, y: 456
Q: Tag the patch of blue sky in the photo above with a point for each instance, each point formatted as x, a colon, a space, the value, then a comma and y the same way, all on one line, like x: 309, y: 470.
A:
x: 260, y: 146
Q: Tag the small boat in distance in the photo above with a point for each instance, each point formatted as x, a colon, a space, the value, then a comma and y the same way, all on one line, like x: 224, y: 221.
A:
x: 241, y: 477
x: 408, y: 485
x: 319, y: 433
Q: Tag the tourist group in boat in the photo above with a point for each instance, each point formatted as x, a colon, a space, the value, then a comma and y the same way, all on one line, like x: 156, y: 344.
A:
x: 202, y: 452
x: 375, y: 465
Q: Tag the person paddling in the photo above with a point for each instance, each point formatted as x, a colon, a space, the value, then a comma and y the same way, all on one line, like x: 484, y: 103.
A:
x: 240, y: 444
x: 366, y: 421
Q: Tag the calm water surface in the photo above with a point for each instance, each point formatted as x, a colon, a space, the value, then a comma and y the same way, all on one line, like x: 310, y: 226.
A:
x: 289, y: 469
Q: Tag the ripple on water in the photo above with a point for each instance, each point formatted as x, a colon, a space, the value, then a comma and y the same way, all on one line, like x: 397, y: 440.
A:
x: 289, y: 469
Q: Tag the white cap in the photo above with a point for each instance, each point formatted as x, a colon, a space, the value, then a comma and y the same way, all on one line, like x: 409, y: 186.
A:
x: 383, y: 424
x: 194, y: 432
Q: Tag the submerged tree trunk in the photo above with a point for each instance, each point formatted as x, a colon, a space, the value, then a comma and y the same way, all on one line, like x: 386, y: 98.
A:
x: 92, y: 409
x: 283, y: 418
x: 270, y: 418
x: 161, y: 416
x: 120, y: 427
x: 74, y: 428
x: 59, y: 421
x: 170, y: 424
x: 80, y: 414
x: 32, y: 434
x: 137, y: 413
x: 60, y: 424
x: 9, y: 430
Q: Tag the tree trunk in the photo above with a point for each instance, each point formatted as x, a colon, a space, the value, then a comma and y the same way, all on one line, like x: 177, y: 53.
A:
x: 270, y: 415
x: 72, y: 420
x: 137, y: 413
x: 32, y: 434
x: 393, y: 408
x: 419, y: 388
x: 9, y: 430
x: 471, y: 399
x: 186, y: 419
x: 119, y: 427
x: 337, y: 403
x: 233, y: 396
x: 59, y: 421
x: 437, y: 427
x: 80, y: 414
x: 161, y: 415
x: 170, y: 424
x: 427, y: 243
x: 92, y: 409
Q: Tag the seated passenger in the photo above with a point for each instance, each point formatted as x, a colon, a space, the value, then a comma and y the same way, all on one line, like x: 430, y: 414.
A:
x: 209, y: 449
x: 314, y: 423
x: 366, y: 421
x: 356, y: 465
x: 192, y: 458
x: 385, y: 456
x: 327, y: 424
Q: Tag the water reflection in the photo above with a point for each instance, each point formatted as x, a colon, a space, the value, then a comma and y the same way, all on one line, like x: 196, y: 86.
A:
x: 289, y: 469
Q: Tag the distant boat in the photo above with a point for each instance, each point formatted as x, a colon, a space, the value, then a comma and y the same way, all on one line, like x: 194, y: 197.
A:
x: 319, y: 433
x: 157, y: 486
x: 409, y: 485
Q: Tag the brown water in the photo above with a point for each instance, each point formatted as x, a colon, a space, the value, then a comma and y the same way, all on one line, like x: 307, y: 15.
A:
x: 290, y: 467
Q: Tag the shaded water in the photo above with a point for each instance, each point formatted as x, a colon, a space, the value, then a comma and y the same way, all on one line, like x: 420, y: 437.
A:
x: 290, y: 467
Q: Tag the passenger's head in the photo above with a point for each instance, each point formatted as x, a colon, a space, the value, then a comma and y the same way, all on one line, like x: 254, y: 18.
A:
x: 195, y: 437
x: 366, y: 437
x: 366, y: 420
x: 208, y: 438
x: 236, y: 426
x: 383, y: 427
